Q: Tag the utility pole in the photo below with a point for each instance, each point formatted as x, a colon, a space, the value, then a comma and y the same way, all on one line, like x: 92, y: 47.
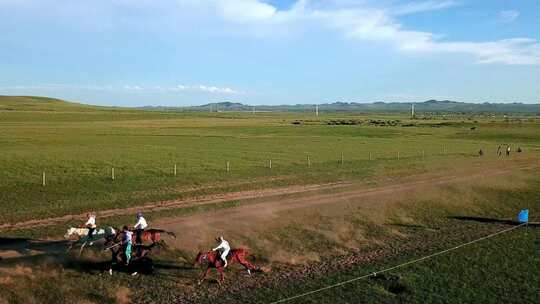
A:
x: 317, y: 110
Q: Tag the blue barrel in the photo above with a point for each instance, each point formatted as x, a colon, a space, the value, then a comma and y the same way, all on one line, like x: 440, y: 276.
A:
x: 523, y: 216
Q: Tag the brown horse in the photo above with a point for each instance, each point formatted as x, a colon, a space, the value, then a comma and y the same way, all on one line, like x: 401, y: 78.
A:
x: 212, y: 259
x: 149, y: 235
x: 153, y: 235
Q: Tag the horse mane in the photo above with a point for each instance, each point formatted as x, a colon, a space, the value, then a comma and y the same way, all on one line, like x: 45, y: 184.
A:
x: 208, y: 254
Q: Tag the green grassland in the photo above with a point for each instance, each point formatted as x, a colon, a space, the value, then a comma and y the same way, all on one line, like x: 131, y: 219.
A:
x: 497, y: 270
x: 77, y: 146
x: 503, y: 268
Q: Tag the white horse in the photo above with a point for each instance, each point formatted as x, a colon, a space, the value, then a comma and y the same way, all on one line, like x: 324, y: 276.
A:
x: 81, y: 236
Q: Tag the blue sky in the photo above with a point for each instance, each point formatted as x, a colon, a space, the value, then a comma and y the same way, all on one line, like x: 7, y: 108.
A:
x: 188, y: 52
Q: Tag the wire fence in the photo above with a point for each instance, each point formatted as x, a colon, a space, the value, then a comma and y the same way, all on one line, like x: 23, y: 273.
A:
x: 311, y: 160
x: 373, y: 274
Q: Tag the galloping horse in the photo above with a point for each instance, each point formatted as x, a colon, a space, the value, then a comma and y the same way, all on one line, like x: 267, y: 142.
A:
x: 81, y: 235
x: 214, y: 261
x: 149, y: 235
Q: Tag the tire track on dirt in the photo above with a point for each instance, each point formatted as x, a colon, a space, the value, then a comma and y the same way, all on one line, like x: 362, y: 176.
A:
x: 166, y: 205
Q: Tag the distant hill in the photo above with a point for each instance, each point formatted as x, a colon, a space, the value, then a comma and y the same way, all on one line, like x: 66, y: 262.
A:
x: 430, y: 106
x: 227, y: 106
x: 47, y: 104
x: 32, y: 103
x: 214, y: 107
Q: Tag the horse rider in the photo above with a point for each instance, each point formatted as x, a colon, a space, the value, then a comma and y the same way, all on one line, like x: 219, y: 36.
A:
x: 90, y: 224
x: 126, y: 242
x: 139, y: 228
x: 225, y: 248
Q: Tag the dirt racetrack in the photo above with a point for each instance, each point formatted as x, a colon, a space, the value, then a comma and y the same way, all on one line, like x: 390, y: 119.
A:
x: 196, y: 231
x: 263, y: 209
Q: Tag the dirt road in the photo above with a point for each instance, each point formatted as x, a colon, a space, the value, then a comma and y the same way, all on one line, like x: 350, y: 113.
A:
x: 196, y: 231
x: 337, y: 190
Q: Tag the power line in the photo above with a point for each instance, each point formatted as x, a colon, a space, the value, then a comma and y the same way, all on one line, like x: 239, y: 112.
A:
x: 395, y: 267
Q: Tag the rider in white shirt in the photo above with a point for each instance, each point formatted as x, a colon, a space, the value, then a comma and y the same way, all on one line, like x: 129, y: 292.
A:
x: 225, y: 248
x: 139, y: 228
x: 90, y: 224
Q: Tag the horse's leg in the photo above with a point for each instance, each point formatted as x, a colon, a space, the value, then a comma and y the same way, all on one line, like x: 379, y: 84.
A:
x: 221, y: 275
x: 70, y: 246
x: 82, y: 247
x: 247, y: 265
x: 155, y: 237
x: 114, y: 258
x: 111, y: 265
x: 204, y: 274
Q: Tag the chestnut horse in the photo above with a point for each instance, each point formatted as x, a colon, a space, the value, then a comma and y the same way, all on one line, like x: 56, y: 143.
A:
x: 149, y: 235
x: 212, y: 259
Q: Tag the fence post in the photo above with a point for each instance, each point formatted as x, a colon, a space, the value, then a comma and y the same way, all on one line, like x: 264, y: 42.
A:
x: 175, y: 169
x: 112, y: 173
x: 270, y: 164
x: 43, y: 180
x: 308, y: 162
x: 370, y: 157
x: 423, y: 154
x: 228, y: 167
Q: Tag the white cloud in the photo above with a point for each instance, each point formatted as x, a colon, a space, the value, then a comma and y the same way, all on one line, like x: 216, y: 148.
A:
x: 132, y: 88
x: 522, y: 51
x: 205, y: 89
x: 245, y: 10
x: 201, y: 88
x: 423, y: 6
x: 508, y: 16
x: 209, y: 89
x: 363, y: 22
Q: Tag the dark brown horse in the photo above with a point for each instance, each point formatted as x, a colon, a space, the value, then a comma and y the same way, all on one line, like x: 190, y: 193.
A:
x: 212, y: 259
x: 138, y: 253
